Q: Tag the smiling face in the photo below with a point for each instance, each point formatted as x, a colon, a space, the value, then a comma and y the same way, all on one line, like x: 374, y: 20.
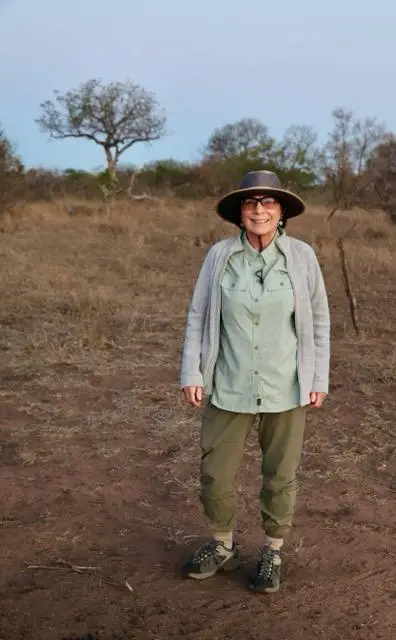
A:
x: 260, y: 215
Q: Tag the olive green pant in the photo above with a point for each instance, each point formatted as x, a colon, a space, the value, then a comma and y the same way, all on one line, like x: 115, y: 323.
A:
x: 223, y: 436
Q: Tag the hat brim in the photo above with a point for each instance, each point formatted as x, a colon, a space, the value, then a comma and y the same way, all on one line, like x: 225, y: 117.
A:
x: 229, y: 207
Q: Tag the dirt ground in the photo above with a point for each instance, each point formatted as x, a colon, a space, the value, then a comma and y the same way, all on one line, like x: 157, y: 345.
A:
x: 99, y: 455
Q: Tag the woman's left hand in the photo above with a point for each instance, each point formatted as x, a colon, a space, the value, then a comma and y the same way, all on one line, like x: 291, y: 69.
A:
x: 317, y: 399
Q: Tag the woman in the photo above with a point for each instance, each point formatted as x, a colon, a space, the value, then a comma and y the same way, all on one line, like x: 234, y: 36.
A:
x: 257, y: 343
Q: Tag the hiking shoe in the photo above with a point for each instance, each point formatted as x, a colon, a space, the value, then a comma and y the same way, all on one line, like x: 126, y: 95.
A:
x: 212, y: 557
x: 267, y: 578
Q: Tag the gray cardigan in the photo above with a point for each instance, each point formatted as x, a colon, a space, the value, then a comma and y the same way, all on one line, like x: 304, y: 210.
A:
x: 312, y: 321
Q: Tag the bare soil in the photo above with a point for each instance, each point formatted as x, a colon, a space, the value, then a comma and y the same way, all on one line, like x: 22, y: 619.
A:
x: 99, y: 454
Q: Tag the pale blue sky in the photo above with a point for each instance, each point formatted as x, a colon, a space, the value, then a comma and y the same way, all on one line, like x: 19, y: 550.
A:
x: 208, y: 62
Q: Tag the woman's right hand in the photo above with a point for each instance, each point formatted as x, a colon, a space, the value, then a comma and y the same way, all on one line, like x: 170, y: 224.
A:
x: 193, y: 395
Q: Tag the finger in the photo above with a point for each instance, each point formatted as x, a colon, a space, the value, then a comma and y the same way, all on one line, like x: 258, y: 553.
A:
x: 198, y: 394
x: 197, y: 399
x: 189, y: 394
x: 321, y: 398
x: 313, y: 397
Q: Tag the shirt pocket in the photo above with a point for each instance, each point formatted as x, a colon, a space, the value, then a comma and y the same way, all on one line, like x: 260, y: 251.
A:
x: 278, y: 281
x: 233, y: 282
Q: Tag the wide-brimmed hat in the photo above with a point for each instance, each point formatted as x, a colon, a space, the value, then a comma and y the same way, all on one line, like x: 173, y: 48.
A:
x: 257, y: 183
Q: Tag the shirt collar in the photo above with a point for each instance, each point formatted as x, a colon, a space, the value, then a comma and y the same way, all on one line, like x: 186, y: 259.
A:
x: 267, y: 253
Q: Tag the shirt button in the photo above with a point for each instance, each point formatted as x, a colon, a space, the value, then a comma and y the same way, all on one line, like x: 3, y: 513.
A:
x: 256, y: 323
x: 256, y: 299
x: 256, y: 373
x: 255, y: 348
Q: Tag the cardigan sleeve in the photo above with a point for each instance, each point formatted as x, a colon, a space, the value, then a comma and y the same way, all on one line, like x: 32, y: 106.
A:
x: 321, y: 326
x: 191, y: 373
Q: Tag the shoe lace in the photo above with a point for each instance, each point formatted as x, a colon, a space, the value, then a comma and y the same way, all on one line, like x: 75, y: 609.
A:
x: 206, y: 551
x: 266, y: 564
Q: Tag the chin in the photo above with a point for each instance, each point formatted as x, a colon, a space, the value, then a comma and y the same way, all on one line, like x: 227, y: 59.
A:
x: 261, y: 231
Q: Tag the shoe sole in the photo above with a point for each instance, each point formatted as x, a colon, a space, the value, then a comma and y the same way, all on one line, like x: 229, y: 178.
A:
x: 229, y: 565
x: 263, y: 589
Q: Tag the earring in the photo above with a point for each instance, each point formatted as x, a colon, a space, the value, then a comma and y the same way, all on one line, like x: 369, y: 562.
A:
x: 280, y: 223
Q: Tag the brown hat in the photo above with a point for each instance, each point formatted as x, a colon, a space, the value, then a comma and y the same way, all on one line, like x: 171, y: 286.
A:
x: 257, y: 183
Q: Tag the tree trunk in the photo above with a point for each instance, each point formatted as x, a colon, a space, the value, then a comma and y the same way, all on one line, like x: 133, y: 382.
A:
x: 111, y: 166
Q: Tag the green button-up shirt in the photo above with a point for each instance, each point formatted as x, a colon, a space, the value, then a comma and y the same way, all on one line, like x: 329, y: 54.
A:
x: 256, y: 369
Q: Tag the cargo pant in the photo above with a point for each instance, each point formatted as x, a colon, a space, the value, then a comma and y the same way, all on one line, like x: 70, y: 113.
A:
x: 223, y: 435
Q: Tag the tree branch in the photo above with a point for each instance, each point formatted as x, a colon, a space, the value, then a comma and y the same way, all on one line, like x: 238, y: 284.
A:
x: 87, y: 136
x: 348, y: 288
x: 129, y: 144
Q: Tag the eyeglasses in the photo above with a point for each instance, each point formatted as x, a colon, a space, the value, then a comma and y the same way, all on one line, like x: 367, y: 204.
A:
x: 265, y: 201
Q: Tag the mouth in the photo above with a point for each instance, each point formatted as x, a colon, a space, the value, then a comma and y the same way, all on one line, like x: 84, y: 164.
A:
x: 261, y: 220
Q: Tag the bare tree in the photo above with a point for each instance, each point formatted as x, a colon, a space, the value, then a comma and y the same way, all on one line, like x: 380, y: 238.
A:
x: 382, y: 174
x: 297, y: 154
x: 10, y: 169
x: 114, y: 116
x: 248, y: 137
x: 9, y: 161
x: 345, y: 156
x: 299, y: 147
